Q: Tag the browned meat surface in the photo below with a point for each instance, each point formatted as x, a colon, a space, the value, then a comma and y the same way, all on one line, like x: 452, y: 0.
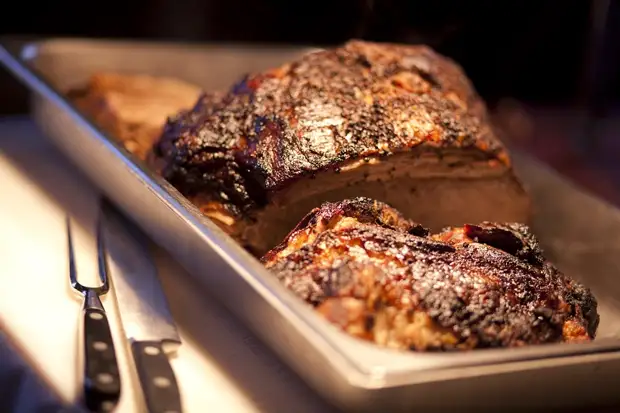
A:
x: 397, y: 123
x: 134, y: 108
x: 383, y: 278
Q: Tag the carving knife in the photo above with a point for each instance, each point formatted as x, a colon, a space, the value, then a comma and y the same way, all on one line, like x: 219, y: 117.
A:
x: 147, y: 322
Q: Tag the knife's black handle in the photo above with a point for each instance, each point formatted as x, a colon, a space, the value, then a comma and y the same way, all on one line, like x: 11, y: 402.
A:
x: 157, y: 379
x: 102, y: 382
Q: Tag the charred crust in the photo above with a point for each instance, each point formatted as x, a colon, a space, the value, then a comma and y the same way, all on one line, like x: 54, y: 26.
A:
x: 317, y: 113
x: 583, y: 305
x: 487, y: 284
x: 513, y: 238
x: 364, y: 210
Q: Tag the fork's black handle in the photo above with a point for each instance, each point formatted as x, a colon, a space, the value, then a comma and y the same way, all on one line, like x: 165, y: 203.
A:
x: 159, y: 385
x: 102, y: 382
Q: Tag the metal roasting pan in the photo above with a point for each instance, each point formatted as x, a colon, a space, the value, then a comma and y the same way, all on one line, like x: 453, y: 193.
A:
x: 580, y: 233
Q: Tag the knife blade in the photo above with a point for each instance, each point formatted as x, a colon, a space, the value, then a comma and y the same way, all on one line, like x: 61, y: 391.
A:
x: 145, y: 315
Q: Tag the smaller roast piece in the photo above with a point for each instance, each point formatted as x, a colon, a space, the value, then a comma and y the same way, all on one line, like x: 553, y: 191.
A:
x: 134, y: 108
x: 383, y: 278
x: 396, y: 123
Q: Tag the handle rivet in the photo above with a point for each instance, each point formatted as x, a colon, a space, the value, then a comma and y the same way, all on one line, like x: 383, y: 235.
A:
x: 161, y: 382
x: 151, y: 351
x: 100, y: 346
x: 105, y: 378
x: 95, y: 316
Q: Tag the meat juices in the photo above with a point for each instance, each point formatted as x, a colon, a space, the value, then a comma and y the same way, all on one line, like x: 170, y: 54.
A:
x: 385, y: 279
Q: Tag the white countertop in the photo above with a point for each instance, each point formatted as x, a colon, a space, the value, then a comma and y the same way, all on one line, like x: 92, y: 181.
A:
x: 220, y: 367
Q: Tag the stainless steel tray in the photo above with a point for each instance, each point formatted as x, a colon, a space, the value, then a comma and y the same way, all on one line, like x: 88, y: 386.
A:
x: 579, y: 232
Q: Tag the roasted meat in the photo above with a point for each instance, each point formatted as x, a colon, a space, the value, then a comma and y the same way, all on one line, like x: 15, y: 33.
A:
x: 134, y: 108
x: 397, y: 123
x: 383, y: 278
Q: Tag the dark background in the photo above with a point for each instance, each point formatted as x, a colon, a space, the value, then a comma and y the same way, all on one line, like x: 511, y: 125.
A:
x: 534, y: 51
